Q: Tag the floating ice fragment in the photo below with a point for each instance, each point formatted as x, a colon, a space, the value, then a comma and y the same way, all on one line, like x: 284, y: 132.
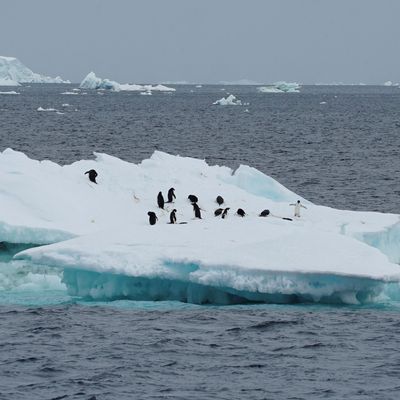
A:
x: 231, y: 100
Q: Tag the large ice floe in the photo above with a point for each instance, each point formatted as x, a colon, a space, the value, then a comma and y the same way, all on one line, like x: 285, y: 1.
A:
x: 280, y: 87
x: 12, y: 69
x: 99, y: 237
x: 91, y: 81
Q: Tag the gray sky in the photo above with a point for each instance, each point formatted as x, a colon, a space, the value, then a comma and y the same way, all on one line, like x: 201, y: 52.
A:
x: 307, y: 41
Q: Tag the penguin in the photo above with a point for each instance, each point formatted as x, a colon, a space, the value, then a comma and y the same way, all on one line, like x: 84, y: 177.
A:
x: 219, y: 200
x: 160, y: 200
x: 172, y: 217
x: 152, y: 217
x: 218, y: 212
x: 240, y: 212
x: 171, y: 195
x: 225, y: 213
x: 92, y: 175
x: 193, y: 198
x: 264, y: 213
x: 196, y: 210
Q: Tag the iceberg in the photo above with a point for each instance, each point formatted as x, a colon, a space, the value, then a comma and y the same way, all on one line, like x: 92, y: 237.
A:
x: 8, y: 82
x: 280, y: 87
x: 230, y: 100
x: 99, y: 237
x: 91, y: 81
x: 12, y: 69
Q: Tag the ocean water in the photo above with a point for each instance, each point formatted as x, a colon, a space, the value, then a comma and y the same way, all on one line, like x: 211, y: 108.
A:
x: 344, y: 153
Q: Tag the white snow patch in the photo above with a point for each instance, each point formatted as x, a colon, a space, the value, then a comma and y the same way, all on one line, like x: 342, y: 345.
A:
x: 10, y: 92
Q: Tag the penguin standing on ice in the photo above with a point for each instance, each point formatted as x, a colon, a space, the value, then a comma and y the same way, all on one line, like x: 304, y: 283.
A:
x: 219, y: 200
x: 171, y: 195
x: 192, y: 198
x: 297, y: 207
x: 172, y: 217
x: 160, y: 200
x: 240, y: 212
x: 92, y: 175
x: 196, y: 210
x: 264, y: 213
x: 218, y: 212
x: 225, y: 213
x: 152, y: 217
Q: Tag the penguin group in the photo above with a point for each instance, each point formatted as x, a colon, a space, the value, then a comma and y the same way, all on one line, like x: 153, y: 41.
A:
x: 193, y: 199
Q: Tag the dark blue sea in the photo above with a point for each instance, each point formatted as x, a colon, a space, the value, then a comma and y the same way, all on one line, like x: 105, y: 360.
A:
x: 334, y: 145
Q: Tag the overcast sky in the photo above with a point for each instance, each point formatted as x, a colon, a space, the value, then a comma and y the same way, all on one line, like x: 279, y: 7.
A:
x: 307, y: 41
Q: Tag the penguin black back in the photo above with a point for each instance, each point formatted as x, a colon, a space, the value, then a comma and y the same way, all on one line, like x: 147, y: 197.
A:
x: 219, y: 200
x: 92, y: 175
x: 172, y: 217
x: 152, y: 217
x: 225, y: 213
x: 264, y: 213
x: 196, y: 210
x: 240, y: 212
x: 218, y: 212
x: 193, y: 198
x: 160, y: 200
x: 171, y: 195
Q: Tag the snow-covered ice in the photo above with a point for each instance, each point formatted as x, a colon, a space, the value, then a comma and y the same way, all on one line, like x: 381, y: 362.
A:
x: 280, y: 87
x: 11, y: 68
x: 100, y: 237
x: 230, y: 100
x: 91, y: 81
x: 8, y: 82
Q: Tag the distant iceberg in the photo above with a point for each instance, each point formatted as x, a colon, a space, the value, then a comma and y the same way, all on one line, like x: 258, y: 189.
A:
x: 231, y: 100
x: 91, y: 81
x: 8, y: 82
x: 280, y: 87
x: 390, y: 83
x: 12, y: 69
x: 100, y: 238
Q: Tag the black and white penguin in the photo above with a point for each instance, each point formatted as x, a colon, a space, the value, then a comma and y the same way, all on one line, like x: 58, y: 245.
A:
x: 160, y: 200
x: 240, y: 212
x: 225, y: 213
x: 152, y: 217
x: 218, y: 212
x: 192, y: 198
x: 92, y: 175
x: 172, y: 217
x: 196, y: 210
x: 171, y: 195
x: 264, y: 213
x: 219, y: 200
